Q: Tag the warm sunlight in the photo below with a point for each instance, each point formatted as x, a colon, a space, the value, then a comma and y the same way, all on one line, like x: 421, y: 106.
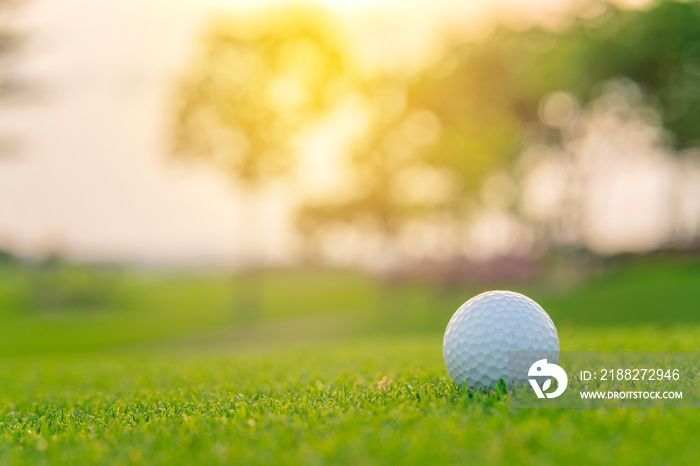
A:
x: 80, y: 162
x: 262, y: 232
x: 360, y: 3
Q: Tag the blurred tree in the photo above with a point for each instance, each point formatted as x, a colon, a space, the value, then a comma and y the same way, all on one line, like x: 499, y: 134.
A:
x: 650, y: 58
x: 257, y: 82
x: 434, y: 137
x: 381, y: 158
x: 7, y: 257
x: 430, y: 142
x: 658, y: 48
x: 11, y: 41
x: 472, y: 112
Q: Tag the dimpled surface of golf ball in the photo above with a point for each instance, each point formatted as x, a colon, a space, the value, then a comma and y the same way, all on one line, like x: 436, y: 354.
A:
x: 486, y: 328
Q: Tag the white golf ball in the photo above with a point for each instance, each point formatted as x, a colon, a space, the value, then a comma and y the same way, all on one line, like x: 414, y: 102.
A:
x: 488, y: 327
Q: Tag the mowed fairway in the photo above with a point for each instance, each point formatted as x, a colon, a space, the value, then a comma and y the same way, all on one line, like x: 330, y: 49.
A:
x: 351, y: 388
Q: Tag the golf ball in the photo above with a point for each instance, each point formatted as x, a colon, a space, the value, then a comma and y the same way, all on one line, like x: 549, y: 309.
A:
x: 489, y: 337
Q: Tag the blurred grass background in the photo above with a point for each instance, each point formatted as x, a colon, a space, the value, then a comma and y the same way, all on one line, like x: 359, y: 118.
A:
x: 56, y: 307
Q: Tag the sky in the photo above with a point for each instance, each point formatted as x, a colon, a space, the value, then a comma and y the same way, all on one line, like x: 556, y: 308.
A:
x: 90, y: 178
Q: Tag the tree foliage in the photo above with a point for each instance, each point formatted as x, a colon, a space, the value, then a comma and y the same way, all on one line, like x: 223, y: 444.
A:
x: 255, y: 84
x: 486, y: 100
x: 431, y: 138
x: 11, y: 41
x: 657, y: 48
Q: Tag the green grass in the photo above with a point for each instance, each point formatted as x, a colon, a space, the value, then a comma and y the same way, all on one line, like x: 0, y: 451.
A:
x: 169, y: 369
x: 313, y: 405
x: 50, y: 310
x: 659, y: 292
